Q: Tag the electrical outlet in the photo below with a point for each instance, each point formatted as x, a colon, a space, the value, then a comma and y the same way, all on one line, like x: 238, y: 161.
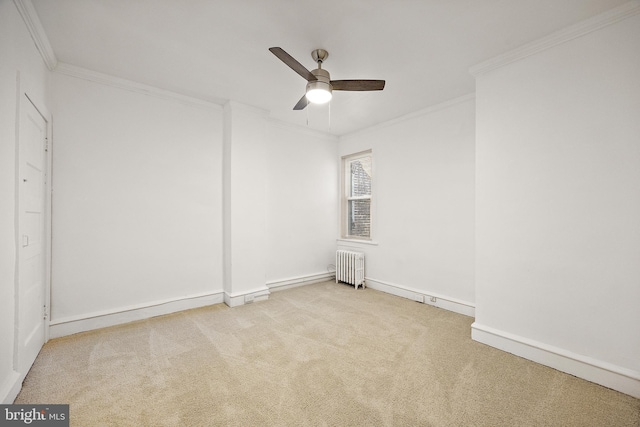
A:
x: 248, y: 298
x: 433, y: 299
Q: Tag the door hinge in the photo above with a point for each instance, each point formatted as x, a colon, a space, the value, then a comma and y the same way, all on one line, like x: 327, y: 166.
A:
x: 45, y: 312
x: 46, y: 144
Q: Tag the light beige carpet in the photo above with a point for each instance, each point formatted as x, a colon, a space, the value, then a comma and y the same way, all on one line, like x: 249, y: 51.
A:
x: 322, y: 354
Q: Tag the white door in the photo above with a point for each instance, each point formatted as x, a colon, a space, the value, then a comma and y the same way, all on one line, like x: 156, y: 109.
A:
x: 32, y: 247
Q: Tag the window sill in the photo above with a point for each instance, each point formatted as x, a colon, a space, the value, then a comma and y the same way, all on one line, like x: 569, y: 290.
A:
x: 361, y: 242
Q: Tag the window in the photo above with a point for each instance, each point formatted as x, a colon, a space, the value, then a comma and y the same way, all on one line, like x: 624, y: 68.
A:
x: 356, y: 200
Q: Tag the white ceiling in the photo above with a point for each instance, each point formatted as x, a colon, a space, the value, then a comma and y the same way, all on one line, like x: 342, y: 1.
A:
x: 217, y: 50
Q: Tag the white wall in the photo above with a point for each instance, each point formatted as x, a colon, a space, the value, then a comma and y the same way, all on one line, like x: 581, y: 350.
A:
x: 301, y: 204
x: 18, y: 54
x: 157, y: 200
x: 423, y: 204
x: 558, y: 206
x: 245, y: 228
x: 137, y: 203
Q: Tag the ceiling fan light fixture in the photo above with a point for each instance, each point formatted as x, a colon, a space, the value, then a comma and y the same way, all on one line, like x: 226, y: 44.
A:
x: 319, y: 92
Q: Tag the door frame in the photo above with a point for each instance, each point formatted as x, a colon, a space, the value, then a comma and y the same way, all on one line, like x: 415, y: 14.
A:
x: 26, y: 94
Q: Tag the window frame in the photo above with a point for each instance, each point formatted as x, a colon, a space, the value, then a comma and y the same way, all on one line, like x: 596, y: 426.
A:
x: 346, y: 198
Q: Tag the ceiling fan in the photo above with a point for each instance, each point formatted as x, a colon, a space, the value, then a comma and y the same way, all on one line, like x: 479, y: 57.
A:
x: 319, y: 83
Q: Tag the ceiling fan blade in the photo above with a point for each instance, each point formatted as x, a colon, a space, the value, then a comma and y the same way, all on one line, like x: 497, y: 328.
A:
x: 293, y: 64
x: 357, y: 84
x: 302, y: 103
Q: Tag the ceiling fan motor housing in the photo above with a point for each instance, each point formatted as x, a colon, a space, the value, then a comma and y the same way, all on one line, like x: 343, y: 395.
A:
x: 323, y: 82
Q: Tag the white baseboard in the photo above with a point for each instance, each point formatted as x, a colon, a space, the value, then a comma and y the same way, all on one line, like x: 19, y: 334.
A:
x: 240, y: 298
x: 603, y: 373
x: 441, y: 301
x: 292, y: 282
x: 90, y: 321
x: 10, y: 387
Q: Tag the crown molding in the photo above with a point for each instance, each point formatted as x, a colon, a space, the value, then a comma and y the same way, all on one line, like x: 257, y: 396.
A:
x: 572, y: 32
x: 117, y: 82
x: 423, y: 112
x: 32, y: 21
x: 237, y: 106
